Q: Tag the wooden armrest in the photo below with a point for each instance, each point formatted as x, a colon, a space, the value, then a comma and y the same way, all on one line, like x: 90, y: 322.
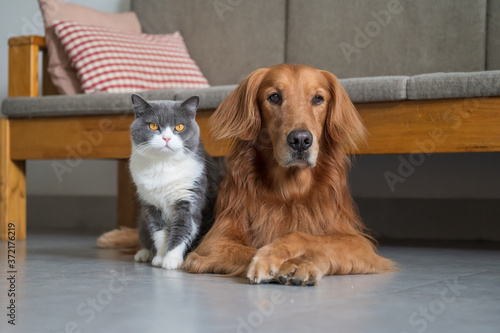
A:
x: 23, y: 65
x: 27, y: 40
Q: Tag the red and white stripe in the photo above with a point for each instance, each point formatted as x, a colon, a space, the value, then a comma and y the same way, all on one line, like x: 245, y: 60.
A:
x: 109, y: 60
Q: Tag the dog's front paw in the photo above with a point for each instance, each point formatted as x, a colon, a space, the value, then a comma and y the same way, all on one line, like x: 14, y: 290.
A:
x: 143, y: 255
x: 192, y: 261
x: 264, y: 266
x: 172, y: 262
x: 157, y: 261
x: 299, y: 272
x: 197, y: 264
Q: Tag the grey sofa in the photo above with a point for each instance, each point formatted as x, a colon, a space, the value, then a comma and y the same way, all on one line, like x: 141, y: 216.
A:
x: 382, y: 50
x: 402, y: 63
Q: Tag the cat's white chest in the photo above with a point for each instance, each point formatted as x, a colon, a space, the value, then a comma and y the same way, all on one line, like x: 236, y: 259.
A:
x: 163, y: 182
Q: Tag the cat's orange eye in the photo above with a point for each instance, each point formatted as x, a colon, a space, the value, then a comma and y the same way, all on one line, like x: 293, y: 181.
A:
x: 179, y: 127
x: 153, y: 126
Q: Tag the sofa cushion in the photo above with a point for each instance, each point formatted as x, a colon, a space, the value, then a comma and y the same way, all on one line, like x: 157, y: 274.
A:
x: 360, y: 38
x: 210, y: 98
x: 454, y: 85
x: 105, y: 103
x: 62, y: 74
x: 360, y: 90
x: 110, y: 60
x: 80, y: 104
x: 227, y: 39
x: 376, y: 89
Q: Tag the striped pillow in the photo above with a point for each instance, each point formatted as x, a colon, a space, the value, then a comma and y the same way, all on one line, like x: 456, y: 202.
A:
x: 110, y: 60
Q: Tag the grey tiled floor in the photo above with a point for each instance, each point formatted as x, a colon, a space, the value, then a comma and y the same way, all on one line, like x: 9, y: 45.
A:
x: 65, y: 284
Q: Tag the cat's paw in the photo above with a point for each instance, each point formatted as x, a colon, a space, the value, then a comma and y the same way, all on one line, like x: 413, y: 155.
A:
x: 143, y: 255
x: 172, y: 262
x: 157, y: 261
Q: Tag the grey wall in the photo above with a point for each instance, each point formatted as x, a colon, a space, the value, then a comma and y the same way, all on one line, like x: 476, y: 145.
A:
x: 21, y: 17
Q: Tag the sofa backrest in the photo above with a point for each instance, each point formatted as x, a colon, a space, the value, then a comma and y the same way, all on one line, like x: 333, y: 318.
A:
x: 493, y: 36
x: 356, y: 38
x: 227, y: 38
x: 359, y: 38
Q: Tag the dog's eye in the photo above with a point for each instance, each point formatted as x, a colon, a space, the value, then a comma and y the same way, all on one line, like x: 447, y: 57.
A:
x: 274, y: 98
x: 317, y: 100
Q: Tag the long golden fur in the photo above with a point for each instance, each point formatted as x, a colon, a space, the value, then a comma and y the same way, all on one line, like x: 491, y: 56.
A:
x: 281, y: 215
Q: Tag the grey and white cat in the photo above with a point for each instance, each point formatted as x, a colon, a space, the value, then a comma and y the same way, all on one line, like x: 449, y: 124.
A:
x: 176, y: 179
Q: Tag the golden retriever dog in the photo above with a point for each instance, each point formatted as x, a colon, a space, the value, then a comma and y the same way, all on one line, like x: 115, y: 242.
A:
x: 284, y: 211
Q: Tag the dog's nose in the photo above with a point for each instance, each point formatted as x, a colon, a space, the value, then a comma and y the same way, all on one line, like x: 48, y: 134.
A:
x: 300, y: 140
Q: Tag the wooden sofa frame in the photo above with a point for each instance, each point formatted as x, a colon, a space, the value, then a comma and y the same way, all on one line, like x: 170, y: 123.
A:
x: 405, y: 127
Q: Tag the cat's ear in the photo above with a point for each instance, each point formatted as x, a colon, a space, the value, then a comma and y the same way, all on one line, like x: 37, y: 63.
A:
x: 191, y: 105
x: 141, y: 106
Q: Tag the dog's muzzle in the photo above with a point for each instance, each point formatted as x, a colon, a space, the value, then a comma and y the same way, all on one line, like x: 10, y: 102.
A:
x: 300, y: 141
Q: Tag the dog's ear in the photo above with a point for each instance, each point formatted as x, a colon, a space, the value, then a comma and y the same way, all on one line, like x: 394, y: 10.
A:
x: 343, y: 124
x: 238, y: 116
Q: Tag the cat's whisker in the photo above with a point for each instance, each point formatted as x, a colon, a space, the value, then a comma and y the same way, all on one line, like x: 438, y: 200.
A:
x: 144, y: 148
x: 192, y: 154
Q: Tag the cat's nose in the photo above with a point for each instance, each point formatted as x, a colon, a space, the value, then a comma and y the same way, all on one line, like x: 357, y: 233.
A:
x: 166, y: 140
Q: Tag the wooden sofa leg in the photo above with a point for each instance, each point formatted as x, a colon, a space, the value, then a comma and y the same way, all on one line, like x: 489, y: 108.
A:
x: 12, y: 189
x: 128, y: 205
